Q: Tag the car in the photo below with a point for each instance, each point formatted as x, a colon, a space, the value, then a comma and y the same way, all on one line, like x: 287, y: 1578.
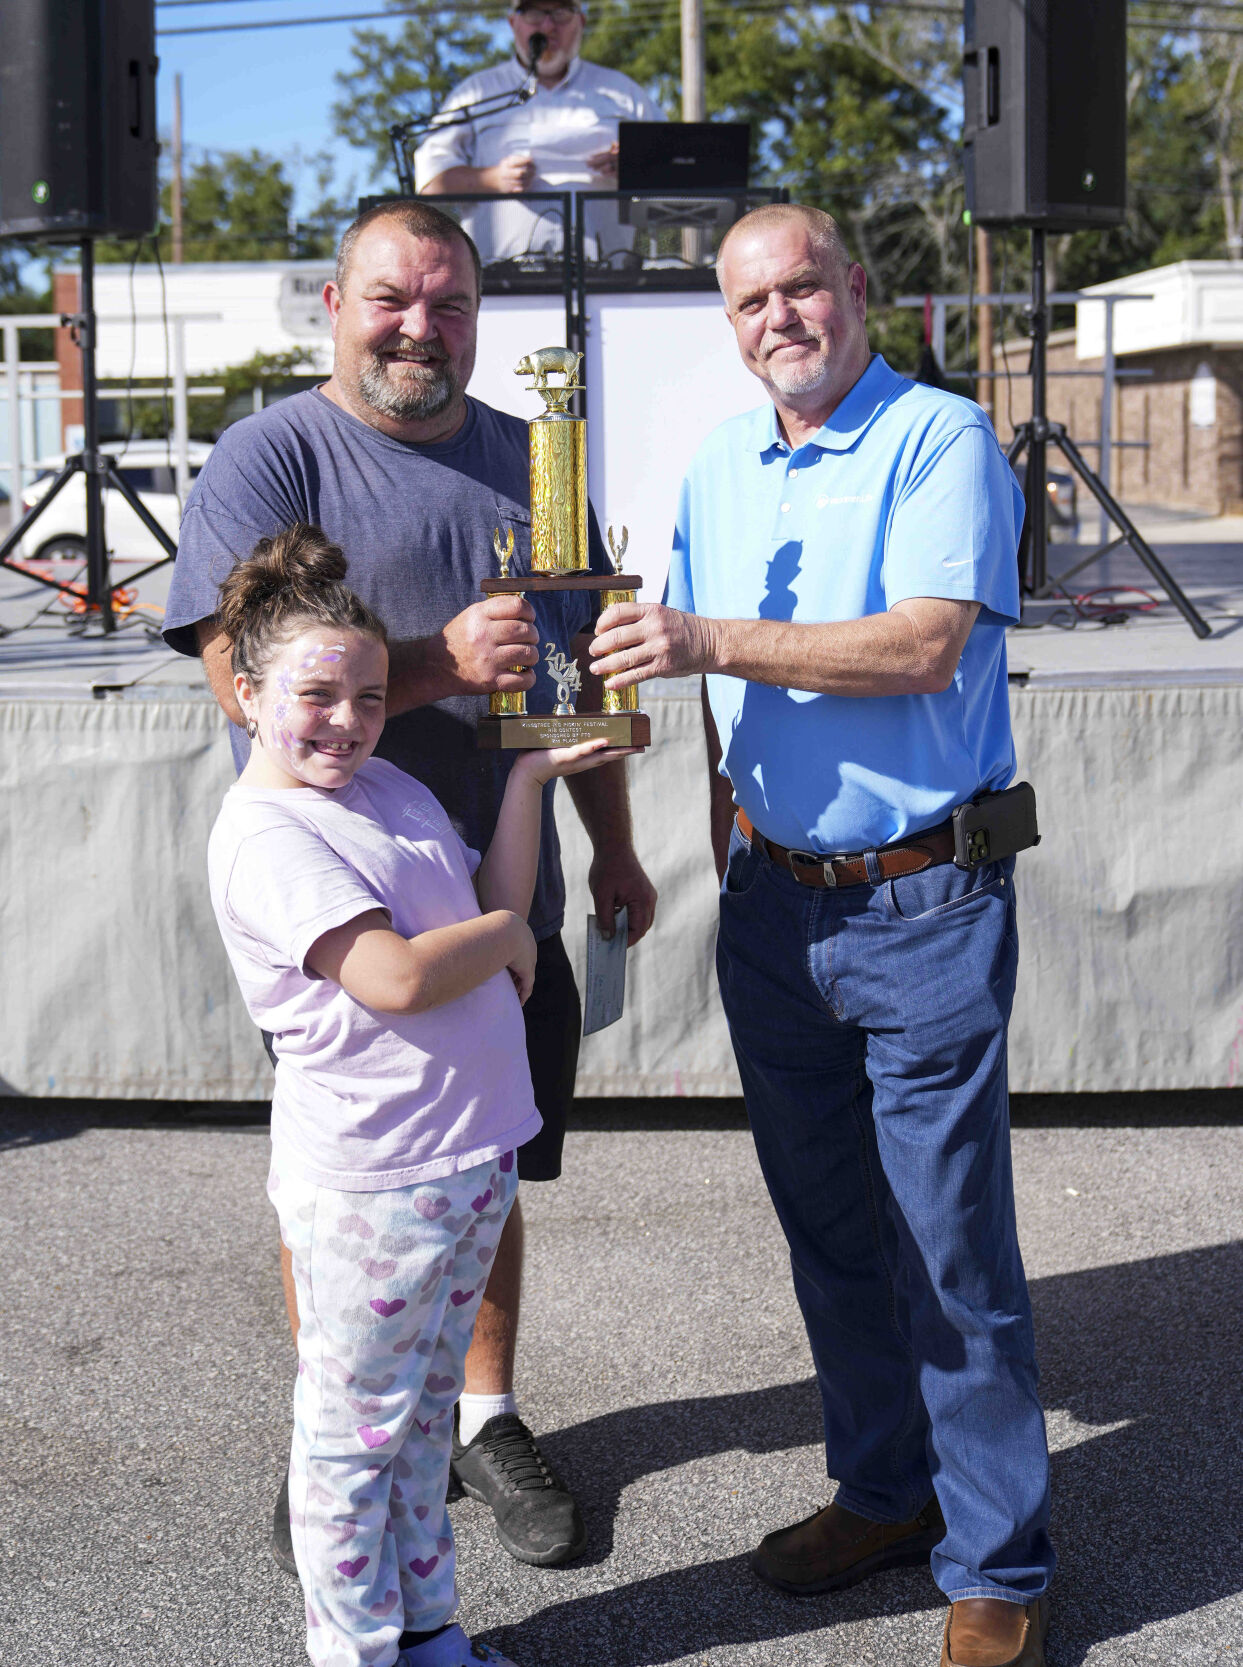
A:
x: 145, y: 465
x: 1063, y: 520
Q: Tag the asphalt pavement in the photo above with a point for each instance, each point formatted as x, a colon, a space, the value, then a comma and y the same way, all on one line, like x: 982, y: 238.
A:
x: 146, y: 1375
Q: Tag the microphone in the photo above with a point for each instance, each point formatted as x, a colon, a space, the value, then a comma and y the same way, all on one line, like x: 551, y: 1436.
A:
x: 537, y: 46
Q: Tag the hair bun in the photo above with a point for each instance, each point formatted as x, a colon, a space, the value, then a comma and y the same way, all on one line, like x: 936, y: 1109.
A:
x: 285, y: 571
x: 299, y: 556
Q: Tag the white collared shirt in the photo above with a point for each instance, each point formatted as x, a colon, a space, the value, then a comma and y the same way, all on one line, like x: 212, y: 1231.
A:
x: 559, y: 128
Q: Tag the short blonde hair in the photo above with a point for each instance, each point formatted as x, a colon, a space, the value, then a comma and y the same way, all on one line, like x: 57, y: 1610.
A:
x: 823, y: 231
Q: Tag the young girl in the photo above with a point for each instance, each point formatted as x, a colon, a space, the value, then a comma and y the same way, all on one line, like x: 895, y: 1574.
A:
x: 392, y: 987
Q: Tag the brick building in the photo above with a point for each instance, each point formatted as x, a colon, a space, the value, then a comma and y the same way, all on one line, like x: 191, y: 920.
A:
x: 1187, y: 413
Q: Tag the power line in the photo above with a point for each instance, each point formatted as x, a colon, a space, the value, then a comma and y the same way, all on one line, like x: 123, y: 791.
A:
x: 161, y: 5
x: 284, y: 23
x: 647, y: 11
x: 1222, y: 7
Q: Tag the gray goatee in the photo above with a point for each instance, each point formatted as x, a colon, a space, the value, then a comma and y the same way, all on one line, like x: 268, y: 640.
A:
x: 414, y: 393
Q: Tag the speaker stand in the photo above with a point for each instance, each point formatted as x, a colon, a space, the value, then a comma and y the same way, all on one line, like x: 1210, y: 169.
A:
x: 96, y: 467
x: 1034, y: 437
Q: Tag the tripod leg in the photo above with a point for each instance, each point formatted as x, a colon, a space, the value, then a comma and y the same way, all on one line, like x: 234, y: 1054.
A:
x: 1058, y: 581
x: 1037, y: 448
x: 119, y: 484
x: 28, y: 520
x: 1130, y: 533
x: 99, y: 593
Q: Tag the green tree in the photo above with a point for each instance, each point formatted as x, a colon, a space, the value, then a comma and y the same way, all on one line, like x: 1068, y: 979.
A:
x: 1173, y: 212
x: 398, y: 78
x: 1210, y: 100
x: 238, y: 205
x: 17, y: 296
x: 277, y: 374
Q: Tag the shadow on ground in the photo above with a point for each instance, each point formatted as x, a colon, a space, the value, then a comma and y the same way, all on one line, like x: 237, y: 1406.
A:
x: 26, y: 1121
x: 30, y: 1122
x: 1141, y: 1371
x: 1147, y: 1503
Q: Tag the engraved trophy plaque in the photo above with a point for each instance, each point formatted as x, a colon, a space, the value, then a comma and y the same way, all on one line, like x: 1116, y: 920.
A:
x: 559, y: 562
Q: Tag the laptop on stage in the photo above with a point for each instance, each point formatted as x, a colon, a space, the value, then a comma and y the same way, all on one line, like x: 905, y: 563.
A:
x: 683, y: 157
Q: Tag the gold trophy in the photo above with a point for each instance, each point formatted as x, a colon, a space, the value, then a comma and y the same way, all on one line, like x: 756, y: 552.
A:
x: 559, y: 562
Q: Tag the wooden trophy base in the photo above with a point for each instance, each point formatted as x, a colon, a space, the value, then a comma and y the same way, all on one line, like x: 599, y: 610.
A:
x: 522, y: 734
x: 516, y: 586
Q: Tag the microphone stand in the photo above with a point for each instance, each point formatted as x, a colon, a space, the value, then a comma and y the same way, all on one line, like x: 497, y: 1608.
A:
x: 405, y: 137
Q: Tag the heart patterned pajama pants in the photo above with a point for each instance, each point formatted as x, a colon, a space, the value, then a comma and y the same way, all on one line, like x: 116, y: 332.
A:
x: 388, y: 1285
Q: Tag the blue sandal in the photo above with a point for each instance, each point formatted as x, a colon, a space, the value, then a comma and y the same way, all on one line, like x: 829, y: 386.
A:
x: 451, y: 1648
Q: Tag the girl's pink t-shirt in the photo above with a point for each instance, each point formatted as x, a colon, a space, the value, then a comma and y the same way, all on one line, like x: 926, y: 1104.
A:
x: 364, y: 1100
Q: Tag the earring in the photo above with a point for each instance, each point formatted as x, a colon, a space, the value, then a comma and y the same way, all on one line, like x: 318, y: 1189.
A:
x: 252, y: 729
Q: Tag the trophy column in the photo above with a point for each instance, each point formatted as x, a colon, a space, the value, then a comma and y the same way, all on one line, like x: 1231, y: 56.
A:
x: 559, y: 561
x: 500, y: 703
x: 619, y: 700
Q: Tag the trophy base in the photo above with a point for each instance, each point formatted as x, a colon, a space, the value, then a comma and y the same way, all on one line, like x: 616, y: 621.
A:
x: 515, y: 734
x: 569, y: 580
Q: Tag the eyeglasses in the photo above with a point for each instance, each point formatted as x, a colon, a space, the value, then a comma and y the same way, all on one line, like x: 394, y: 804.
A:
x: 544, y: 15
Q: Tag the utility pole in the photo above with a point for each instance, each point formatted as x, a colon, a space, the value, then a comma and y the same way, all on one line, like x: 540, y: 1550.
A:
x: 692, y: 60
x: 692, y: 104
x: 984, y: 327
x: 178, y: 245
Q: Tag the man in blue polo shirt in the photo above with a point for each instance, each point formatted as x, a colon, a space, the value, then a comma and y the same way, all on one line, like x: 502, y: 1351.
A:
x: 843, y: 572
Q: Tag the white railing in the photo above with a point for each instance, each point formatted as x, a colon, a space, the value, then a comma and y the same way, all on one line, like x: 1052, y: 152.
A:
x: 1109, y: 373
x: 11, y: 326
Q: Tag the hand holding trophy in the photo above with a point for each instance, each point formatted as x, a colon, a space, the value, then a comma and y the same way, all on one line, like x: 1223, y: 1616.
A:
x: 559, y: 562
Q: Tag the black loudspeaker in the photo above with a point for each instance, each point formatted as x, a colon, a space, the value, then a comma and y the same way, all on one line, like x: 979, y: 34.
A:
x: 78, y: 150
x: 1044, y: 112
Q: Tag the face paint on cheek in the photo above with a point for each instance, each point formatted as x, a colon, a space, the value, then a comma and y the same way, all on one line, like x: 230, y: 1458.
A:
x: 283, y: 736
x: 280, y: 712
x: 301, y: 725
x: 297, y: 746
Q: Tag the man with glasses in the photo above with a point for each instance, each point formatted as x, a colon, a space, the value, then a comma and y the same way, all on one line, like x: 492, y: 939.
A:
x: 564, y: 138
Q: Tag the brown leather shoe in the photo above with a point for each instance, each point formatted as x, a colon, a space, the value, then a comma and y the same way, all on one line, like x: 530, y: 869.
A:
x: 835, y: 1548
x: 989, y: 1632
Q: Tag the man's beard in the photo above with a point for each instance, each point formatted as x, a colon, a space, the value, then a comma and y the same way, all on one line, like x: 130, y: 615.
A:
x: 805, y: 376
x: 416, y: 392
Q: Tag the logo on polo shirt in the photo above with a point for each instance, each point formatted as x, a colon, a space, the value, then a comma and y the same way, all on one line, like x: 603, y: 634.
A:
x: 822, y: 502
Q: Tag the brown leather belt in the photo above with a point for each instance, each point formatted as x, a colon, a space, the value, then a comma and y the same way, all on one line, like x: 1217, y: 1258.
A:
x: 851, y: 869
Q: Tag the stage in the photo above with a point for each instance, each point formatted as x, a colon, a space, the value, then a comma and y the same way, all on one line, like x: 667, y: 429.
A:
x: 113, y: 758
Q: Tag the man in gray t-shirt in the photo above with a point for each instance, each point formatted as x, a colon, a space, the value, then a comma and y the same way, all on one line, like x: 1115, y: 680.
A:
x: 416, y: 525
x: 411, y: 477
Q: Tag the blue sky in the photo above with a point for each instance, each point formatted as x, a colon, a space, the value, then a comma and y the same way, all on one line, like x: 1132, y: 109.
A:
x: 272, y: 89
x: 266, y: 89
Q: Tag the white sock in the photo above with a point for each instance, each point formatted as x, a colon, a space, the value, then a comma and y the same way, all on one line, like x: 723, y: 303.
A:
x: 475, y: 1410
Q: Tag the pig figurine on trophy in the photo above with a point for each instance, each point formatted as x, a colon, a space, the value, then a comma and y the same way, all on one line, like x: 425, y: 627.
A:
x: 559, y: 562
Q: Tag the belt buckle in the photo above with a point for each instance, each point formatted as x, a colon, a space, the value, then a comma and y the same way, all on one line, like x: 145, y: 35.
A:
x: 811, y: 859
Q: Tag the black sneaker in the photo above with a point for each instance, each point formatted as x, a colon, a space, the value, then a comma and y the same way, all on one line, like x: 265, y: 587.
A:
x: 282, y: 1539
x: 537, y: 1521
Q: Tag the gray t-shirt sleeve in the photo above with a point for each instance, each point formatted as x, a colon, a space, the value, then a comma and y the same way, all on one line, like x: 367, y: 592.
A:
x: 242, y: 494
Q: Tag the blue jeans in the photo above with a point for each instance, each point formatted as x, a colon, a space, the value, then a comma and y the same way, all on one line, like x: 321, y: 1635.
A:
x: 869, y: 1025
